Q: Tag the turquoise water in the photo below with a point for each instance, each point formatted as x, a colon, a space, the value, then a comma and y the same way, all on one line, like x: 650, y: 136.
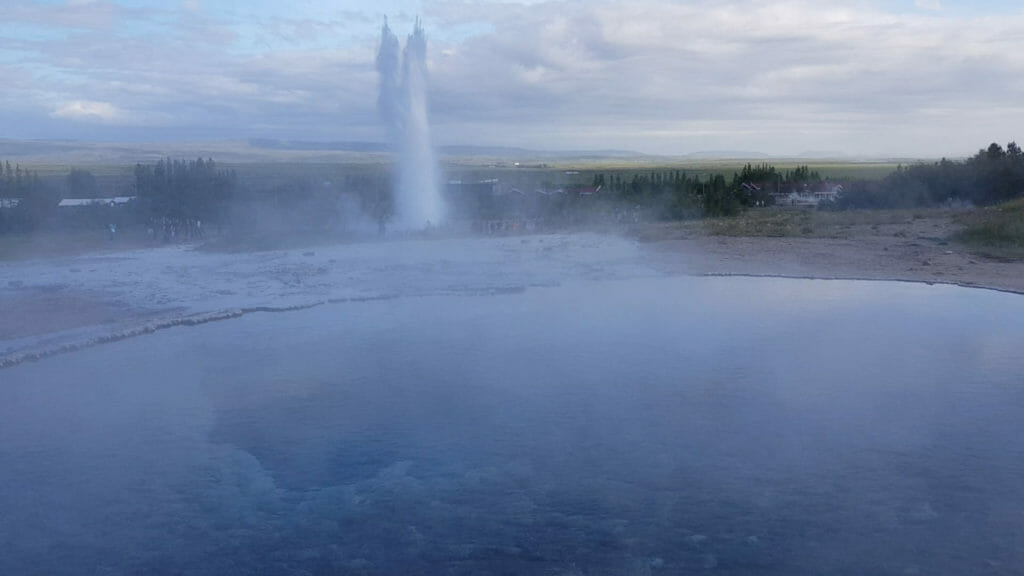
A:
x: 653, y: 426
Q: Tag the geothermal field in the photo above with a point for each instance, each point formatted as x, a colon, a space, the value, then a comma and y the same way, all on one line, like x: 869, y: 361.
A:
x: 542, y: 404
x: 221, y: 375
x: 53, y: 305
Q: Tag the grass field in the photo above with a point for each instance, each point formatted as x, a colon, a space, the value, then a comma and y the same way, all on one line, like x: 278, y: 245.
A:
x: 113, y: 163
x: 51, y: 244
x: 791, y: 222
x: 805, y: 222
x: 995, y: 231
x: 829, y: 170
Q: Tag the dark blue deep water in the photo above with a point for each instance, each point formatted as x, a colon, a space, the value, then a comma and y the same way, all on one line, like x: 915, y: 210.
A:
x: 654, y: 426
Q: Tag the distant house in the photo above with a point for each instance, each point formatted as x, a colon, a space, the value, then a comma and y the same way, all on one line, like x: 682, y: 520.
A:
x: 587, y: 190
x: 547, y: 192
x: 472, y: 188
x: 827, y: 191
x: 809, y: 195
x: 9, y: 203
x: 79, y: 202
x: 798, y: 199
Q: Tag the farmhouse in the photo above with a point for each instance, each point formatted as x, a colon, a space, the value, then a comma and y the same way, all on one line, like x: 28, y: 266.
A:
x: 808, y: 194
x: 79, y: 202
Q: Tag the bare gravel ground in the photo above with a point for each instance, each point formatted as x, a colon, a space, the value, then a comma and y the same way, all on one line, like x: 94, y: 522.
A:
x: 889, y: 246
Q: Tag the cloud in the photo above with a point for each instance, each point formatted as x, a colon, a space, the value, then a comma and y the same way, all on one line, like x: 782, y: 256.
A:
x: 659, y: 76
x: 72, y: 14
x: 928, y: 4
x: 89, y: 111
x: 779, y: 75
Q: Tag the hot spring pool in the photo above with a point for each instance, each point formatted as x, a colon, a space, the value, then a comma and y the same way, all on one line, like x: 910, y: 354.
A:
x: 647, y: 426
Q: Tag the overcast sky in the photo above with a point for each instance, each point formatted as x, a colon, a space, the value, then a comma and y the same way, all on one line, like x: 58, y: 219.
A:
x: 901, y: 77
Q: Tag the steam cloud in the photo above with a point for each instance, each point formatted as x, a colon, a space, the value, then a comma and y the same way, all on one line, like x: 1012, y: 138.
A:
x: 402, y: 103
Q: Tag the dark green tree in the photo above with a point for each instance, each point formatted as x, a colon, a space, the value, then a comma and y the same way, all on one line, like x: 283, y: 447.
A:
x: 184, y: 190
x: 82, y: 184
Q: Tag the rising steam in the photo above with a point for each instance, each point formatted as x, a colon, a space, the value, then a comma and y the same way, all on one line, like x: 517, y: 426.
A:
x: 402, y: 103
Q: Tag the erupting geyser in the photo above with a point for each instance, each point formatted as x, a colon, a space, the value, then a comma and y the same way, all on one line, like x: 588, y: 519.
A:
x: 402, y: 103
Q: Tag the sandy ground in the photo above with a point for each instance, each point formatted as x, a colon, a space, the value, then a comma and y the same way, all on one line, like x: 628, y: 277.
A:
x: 54, y: 305
x: 919, y: 250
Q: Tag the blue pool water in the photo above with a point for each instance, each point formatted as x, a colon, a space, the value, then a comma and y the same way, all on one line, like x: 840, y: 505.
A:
x: 647, y: 426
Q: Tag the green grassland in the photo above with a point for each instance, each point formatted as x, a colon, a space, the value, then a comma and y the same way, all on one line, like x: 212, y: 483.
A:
x: 65, y: 243
x: 792, y: 222
x: 995, y: 231
x: 113, y: 161
x: 828, y: 169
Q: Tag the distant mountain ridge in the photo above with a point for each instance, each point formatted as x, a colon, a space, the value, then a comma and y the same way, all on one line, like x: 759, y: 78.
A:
x: 726, y: 155
x: 272, y: 149
x: 452, y: 150
x: 302, y: 145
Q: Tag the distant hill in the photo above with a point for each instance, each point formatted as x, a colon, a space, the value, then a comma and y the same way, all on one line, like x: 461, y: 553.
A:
x: 726, y: 155
x: 258, y: 149
x: 273, y: 144
x: 80, y: 153
x: 513, y: 152
x: 450, y: 150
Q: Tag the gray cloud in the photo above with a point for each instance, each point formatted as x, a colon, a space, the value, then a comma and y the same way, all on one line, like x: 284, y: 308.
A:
x: 783, y: 76
x: 666, y: 77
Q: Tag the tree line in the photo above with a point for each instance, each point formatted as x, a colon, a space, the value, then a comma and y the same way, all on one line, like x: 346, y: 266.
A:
x: 172, y: 190
x: 183, y: 190
x: 677, y: 195
x: 24, y: 197
x: 169, y: 190
x: 993, y: 175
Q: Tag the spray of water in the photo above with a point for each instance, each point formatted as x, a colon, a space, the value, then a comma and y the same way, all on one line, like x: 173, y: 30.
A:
x: 402, y: 102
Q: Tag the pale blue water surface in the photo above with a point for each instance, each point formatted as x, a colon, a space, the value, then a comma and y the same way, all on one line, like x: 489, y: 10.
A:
x: 650, y: 426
